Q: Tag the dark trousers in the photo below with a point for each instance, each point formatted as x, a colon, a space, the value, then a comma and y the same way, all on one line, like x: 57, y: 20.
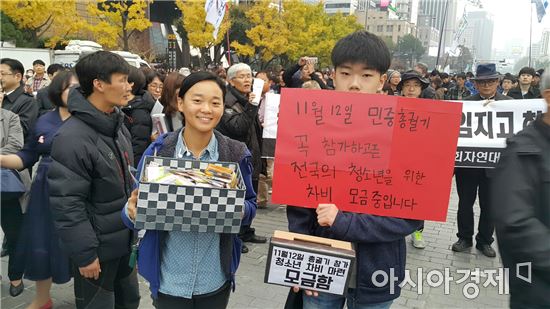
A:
x: 116, y: 287
x: 214, y: 300
x: 11, y: 221
x: 246, y: 231
x: 468, y: 180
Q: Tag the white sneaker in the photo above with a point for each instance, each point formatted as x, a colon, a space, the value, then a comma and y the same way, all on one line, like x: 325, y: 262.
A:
x: 418, y: 240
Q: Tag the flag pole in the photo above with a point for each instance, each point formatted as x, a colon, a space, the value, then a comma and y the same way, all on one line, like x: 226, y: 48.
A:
x: 227, y: 34
x: 530, y: 32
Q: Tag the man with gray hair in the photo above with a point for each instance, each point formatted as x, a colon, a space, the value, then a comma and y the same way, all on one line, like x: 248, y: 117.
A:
x: 521, y: 210
x: 240, y: 121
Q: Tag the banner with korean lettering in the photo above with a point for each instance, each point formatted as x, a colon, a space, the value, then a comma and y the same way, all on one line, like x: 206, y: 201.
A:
x: 484, y: 129
x: 383, y: 155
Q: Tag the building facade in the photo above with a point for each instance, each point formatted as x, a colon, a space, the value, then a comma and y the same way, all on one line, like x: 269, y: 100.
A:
x: 478, y: 35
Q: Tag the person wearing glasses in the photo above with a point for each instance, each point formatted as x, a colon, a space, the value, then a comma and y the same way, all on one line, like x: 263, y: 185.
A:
x: 16, y: 99
x: 240, y: 121
x: 468, y: 180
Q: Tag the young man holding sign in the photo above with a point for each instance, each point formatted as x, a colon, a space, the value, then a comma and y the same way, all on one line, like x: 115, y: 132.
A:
x: 360, y: 60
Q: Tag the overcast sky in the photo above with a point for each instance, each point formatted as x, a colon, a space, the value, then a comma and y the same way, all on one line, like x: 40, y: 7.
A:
x: 512, y: 21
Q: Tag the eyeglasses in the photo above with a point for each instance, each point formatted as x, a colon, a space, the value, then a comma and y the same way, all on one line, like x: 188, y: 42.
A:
x: 156, y: 86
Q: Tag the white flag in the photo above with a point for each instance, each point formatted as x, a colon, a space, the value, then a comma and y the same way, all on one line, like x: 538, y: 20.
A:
x: 215, y: 11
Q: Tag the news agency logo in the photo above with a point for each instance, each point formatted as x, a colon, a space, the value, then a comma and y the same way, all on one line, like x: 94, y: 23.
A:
x: 476, y: 278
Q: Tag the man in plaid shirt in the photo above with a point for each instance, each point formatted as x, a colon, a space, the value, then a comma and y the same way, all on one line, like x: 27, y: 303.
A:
x: 40, y: 78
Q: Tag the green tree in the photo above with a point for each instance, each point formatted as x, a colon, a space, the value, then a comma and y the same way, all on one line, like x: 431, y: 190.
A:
x: 389, y: 42
x: 410, y: 48
x: 463, y: 60
x: 10, y: 33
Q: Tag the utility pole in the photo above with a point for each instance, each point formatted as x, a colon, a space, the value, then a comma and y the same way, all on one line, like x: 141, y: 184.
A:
x: 366, y: 13
x: 442, y: 32
x: 530, y: 32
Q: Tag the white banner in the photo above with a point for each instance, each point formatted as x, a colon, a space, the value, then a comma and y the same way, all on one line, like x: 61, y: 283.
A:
x: 271, y: 115
x: 215, y: 10
x: 485, y: 127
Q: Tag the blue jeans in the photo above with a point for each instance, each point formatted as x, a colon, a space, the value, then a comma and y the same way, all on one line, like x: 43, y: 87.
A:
x: 331, y: 301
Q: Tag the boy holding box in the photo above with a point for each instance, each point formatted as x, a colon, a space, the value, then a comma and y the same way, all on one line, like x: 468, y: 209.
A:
x: 360, y: 60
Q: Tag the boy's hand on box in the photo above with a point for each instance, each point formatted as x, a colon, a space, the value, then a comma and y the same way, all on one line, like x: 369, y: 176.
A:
x: 296, y: 289
x: 132, y: 202
x: 326, y: 214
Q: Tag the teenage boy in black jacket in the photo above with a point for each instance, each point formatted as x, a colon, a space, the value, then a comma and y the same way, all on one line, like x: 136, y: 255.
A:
x: 90, y: 183
x: 360, y: 60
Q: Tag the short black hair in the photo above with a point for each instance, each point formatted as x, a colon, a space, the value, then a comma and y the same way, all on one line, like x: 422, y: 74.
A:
x: 262, y: 72
x: 509, y: 77
x: 59, y: 83
x: 38, y: 61
x: 150, y: 75
x: 527, y: 70
x: 198, y: 77
x: 15, y: 65
x: 444, y: 75
x: 362, y: 47
x: 53, y: 68
x: 461, y: 75
x: 435, y: 72
x: 99, y: 65
x: 470, y: 74
x: 137, y: 77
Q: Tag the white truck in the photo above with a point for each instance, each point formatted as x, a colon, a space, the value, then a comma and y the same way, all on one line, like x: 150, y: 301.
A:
x: 27, y: 55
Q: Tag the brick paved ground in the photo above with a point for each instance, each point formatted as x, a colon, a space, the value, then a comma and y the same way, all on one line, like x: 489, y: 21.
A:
x: 251, y: 292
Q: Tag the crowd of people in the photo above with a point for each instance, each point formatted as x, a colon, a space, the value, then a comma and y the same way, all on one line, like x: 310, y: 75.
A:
x: 90, y: 128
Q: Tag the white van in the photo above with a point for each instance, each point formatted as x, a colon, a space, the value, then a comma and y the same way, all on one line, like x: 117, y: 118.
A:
x: 76, y: 49
x: 132, y: 59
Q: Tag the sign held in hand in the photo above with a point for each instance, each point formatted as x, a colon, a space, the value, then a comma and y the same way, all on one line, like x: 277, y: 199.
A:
x: 383, y: 155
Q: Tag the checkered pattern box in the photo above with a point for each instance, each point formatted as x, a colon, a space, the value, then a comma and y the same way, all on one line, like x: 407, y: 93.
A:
x: 186, y: 208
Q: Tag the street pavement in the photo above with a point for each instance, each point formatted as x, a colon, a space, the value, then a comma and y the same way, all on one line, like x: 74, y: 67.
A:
x: 252, y: 292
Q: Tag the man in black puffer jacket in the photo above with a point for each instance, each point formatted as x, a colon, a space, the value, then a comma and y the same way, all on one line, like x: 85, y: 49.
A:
x: 90, y: 183
x: 240, y: 122
x: 138, y: 113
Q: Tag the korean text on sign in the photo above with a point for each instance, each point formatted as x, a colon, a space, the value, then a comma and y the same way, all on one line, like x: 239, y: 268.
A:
x: 383, y: 155
x: 312, y: 271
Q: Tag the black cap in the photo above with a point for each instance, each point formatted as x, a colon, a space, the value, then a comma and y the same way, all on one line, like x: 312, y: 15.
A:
x: 38, y: 61
x: 412, y: 75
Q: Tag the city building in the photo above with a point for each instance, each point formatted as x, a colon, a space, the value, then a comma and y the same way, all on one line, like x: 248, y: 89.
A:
x: 382, y: 23
x: 427, y: 34
x: 436, y: 9
x: 478, y: 35
x: 545, y: 43
x: 346, y: 7
x: 407, y: 10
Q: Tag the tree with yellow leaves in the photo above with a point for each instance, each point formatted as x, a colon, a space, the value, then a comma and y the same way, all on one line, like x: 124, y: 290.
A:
x: 268, y: 36
x: 199, y: 32
x: 43, y: 18
x: 298, y: 29
x: 117, y: 21
x: 313, y: 32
